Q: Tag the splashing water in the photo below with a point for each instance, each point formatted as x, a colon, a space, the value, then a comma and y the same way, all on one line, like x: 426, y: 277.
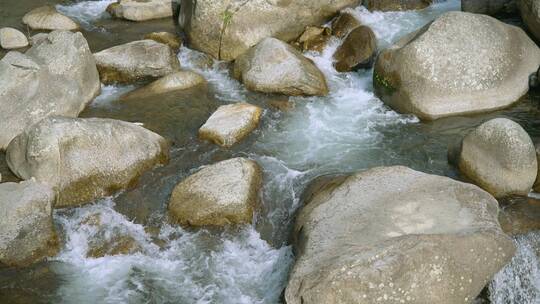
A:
x: 519, y: 281
x: 233, y: 266
x: 86, y: 12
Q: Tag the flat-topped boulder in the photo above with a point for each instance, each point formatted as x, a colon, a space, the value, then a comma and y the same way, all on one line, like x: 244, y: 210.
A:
x: 177, y: 81
x: 136, y: 61
x: 500, y: 157
x: 26, y: 225
x: 56, y: 76
x: 230, y: 124
x: 11, y: 38
x: 221, y: 194
x: 48, y: 18
x: 85, y: 159
x: 218, y: 28
x: 273, y: 66
x: 395, y: 235
x: 137, y: 10
x: 461, y: 63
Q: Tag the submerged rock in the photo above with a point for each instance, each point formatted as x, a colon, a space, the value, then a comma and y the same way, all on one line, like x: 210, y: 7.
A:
x: 27, y: 233
x: 220, y: 194
x: 11, y: 38
x: 172, y: 40
x: 173, y: 82
x: 489, y: 7
x: 85, y: 159
x: 47, y: 18
x: 357, y: 50
x: 56, y: 76
x: 273, y: 66
x: 530, y: 13
x: 344, y: 24
x: 137, y: 10
x: 461, y: 63
x: 500, y: 157
x: 219, y: 28
x: 396, y: 5
x: 231, y: 123
x: 137, y: 60
x: 392, y: 234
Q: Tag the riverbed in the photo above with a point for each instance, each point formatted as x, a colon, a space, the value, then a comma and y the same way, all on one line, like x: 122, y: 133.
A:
x: 307, y: 137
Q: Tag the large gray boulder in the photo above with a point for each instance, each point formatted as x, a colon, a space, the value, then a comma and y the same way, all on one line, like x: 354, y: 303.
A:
x: 489, y: 7
x: 530, y: 13
x: 85, y: 159
x: 136, y: 61
x: 220, y: 194
x: 273, y: 66
x: 500, y: 157
x: 461, y: 63
x: 57, y: 76
x: 137, y: 10
x: 219, y: 28
x: 395, y: 235
x: 48, y: 18
x: 27, y: 232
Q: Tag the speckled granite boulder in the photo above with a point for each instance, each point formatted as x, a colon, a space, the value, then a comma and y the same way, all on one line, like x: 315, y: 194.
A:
x: 220, y: 194
x: 395, y: 235
x: 461, y: 63
x: 230, y: 124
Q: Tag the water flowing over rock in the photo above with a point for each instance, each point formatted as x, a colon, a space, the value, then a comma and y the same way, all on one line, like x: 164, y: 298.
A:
x: 85, y: 159
x: 27, y: 233
x: 47, y: 18
x: 530, y: 13
x: 219, y: 28
x: 394, y: 234
x: 357, y: 50
x: 230, y: 124
x: 489, y: 7
x: 134, y: 61
x: 136, y: 10
x: 273, y: 66
x: 396, y: 5
x: 500, y: 157
x: 56, y: 76
x: 220, y: 194
x: 461, y: 63
x: 11, y: 38
x: 173, y: 82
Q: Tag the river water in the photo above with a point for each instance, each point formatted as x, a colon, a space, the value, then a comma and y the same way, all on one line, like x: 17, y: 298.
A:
x: 348, y: 130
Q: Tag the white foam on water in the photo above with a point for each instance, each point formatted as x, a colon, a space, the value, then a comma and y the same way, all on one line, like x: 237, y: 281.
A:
x: 519, y: 281
x: 110, y: 93
x: 189, y: 267
x: 86, y: 12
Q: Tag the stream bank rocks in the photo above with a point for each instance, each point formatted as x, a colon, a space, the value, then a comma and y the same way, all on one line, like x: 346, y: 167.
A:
x: 218, y: 28
x: 136, y: 10
x: 47, y: 18
x: 135, y: 61
x: 220, y: 194
x: 230, y: 124
x: 56, y: 76
x: 26, y: 225
x: 11, y: 38
x: 178, y: 81
x: 85, y: 159
x: 461, y: 63
x: 273, y: 66
x: 396, y: 235
x: 500, y: 157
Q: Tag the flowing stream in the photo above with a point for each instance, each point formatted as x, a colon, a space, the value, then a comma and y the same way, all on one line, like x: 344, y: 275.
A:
x: 346, y: 131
